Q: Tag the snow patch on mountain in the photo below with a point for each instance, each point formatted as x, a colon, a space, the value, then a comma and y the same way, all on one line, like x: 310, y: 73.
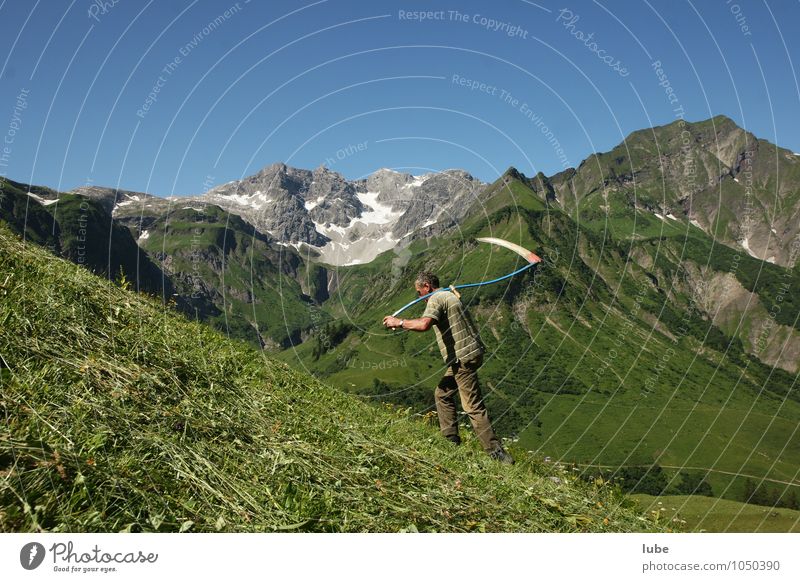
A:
x: 41, y: 200
x: 364, y: 238
x: 746, y: 246
x: 257, y: 200
x: 311, y: 204
x: 380, y: 213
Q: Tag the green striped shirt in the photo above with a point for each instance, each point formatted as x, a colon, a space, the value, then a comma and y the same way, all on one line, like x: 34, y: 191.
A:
x: 456, y: 333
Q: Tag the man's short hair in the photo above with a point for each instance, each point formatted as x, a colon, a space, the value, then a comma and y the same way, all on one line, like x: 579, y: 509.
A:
x: 426, y: 277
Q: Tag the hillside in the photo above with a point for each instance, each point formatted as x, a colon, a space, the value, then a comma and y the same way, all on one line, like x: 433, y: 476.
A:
x: 697, y: 514
x: 232, y: 276
x: 120, y: 415
x: 79, y: 229
x: 220, y: 269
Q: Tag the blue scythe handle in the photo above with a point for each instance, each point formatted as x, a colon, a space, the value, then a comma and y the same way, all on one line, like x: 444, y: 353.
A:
x: 531, y: 257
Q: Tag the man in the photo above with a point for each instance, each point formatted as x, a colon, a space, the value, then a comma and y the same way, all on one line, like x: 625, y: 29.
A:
x: 462, y: 351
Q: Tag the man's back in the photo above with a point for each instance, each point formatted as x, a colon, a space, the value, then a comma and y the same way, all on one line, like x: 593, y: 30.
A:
x: 456, y: 333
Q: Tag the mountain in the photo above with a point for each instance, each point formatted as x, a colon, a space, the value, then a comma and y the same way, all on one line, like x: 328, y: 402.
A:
x: 318, y: 212
x: 112, y: 198
x: 80, y: 229
x: 26, y: 216
x: 681, y: 181
x: 237, y: 279
x: 741, y: 190
x: 121, y: 416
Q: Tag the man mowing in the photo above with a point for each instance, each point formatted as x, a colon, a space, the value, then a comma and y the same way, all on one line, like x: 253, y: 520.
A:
x: 462, y: 351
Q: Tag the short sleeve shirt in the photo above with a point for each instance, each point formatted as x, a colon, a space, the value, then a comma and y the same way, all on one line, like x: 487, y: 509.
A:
x: 456, y: 333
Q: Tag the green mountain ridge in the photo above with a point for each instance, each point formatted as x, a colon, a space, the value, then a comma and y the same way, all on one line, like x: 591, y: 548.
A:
x: 231, y: 276
x: 739, y: 189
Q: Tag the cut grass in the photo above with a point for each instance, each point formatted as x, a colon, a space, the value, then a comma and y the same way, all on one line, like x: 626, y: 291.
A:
x: 120, y: 415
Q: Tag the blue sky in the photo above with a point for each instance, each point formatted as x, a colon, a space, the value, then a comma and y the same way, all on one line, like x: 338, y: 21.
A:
x: 362, y: 85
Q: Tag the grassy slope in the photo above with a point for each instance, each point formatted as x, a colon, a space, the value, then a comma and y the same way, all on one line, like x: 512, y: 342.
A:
x: 719, y: 515
x: 119, y: 415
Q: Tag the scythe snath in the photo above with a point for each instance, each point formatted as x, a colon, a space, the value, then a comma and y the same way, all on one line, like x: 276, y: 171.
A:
x: 524, y: 253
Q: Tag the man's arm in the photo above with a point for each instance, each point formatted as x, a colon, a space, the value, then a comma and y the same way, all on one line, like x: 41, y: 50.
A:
x: 419, y: 324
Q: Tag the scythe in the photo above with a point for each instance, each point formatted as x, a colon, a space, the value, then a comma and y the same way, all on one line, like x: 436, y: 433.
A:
x: 524, y: 253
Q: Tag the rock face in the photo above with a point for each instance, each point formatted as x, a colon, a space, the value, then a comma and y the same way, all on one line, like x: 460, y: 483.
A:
x: 340, y: 222
x: 289, y: 203
x: 441, y: 198
x: 741, y: 313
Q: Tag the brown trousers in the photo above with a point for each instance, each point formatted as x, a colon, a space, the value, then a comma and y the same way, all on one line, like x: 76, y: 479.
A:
x: 462, y: 377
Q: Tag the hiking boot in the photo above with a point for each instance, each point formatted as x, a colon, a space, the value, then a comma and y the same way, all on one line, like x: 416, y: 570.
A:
x: 499, y: 454
x: 454, y: 438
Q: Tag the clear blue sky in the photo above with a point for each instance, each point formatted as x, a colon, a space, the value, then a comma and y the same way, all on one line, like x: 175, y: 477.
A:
x: 301, y: 82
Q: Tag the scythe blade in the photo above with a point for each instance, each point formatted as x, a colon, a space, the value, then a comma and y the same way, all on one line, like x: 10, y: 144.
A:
x: 521, y: 251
